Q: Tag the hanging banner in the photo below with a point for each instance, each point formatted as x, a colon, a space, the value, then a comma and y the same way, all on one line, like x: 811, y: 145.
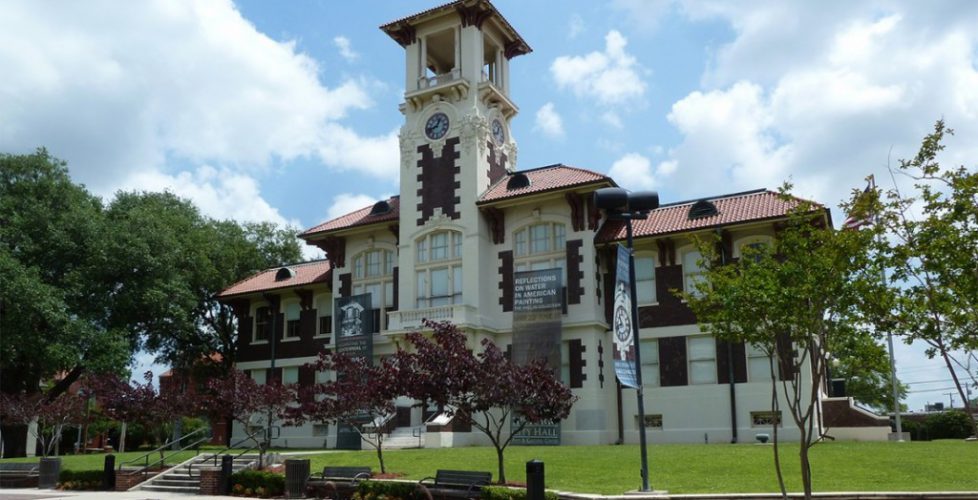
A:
x: 537, y: 306
x: 538, y: 302
x: 622, y: 327
x: 354, y: 337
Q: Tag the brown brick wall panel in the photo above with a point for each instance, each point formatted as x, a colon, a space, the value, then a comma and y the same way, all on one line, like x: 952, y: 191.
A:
x: 841, y: 414
x: 672, y: 362
x: 346, y: 285
x: 671, y: 310
x: 575, y: 276
x: 506, y: 280
x: 739, y: 362
x: 786, y: 356
x: 577, y: 363
x: 438, y: 178
x: 497, y: 164
x: 307, y: 324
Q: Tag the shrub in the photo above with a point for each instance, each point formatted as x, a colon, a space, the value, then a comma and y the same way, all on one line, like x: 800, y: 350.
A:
x: 258, y: 483
x: 506, y: 493
x: 951, y: 424
x: 80, y: 479
x: 391, y: 490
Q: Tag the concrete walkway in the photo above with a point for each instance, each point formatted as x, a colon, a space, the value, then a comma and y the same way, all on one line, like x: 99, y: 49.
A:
x: 36, y: 494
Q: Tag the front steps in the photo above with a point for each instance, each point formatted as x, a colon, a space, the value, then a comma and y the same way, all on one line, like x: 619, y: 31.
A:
x: 185, y: 478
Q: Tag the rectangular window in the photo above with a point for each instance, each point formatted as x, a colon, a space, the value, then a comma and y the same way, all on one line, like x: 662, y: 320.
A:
x: 650, y: 362
x: 560, y: 236
x: 540, y: 238
x: 651, y: 421
x: 440, y: 287
x: 645, y: 279
x: 290, y: 375
x: 702, y: 360
x: 457, y: 285
x: 326, y: 327
x: 519, y: 245
x: 692, y: 272
x: 258, y: 376
x: 439, y: 246
x: 423, y: 250
x: 457, y: 244
x: 373, y: 263
x: 262, y: 315
x: 292, y: 312
x: 320, y: 430
x: 765, y: 418
x: 358, y: 267
x: 758, y: 364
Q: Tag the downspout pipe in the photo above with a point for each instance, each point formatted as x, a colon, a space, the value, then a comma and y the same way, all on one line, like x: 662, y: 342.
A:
x: 731, y: 378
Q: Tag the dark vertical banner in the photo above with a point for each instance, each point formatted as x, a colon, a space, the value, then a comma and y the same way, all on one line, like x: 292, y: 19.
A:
x: 354, y: 337
x: 622, y: 328
x: 537, y: 307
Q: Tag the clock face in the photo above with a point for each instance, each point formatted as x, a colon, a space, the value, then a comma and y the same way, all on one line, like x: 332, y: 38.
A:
x: 437, y: 126
x: 498, y: 132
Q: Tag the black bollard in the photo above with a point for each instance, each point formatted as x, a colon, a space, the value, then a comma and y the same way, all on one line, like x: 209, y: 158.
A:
x: 534, y: 480
x: 226, y: 468
x: 108, y: 473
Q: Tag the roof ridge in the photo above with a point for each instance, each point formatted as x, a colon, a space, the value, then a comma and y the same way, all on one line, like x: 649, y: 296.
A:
x: 258, y: 273
x: 719, y: 197
x: 323, y: 223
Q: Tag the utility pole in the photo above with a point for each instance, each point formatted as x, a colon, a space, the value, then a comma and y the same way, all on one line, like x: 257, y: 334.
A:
x: 950, y: 396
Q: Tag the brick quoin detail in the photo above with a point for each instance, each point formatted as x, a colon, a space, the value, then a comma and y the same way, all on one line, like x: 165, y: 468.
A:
x: 497, y: 164
x: 506, y: 280
x: 438, y: 178
x: 575, y: 277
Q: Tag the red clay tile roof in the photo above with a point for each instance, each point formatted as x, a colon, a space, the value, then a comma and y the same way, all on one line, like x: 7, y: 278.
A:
x: 317, y: 271
x: 544, y: 179
x: 393, y: 25
x: 731, y: 209
x: 361, y: 217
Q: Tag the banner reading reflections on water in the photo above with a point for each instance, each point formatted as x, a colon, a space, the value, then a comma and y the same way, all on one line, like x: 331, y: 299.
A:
x: 537, y: 306
x: 622, y: 328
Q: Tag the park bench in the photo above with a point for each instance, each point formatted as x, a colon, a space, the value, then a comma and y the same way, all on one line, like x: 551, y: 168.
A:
x: 451, y: 481
x: 348, y: 474
x: 18, y: 474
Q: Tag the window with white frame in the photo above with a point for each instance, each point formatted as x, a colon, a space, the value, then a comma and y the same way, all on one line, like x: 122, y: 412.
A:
x: 258, y: 376
x: 290, y: 375
x: 758, y: 364
x: 702, y: 352
x: 645, y: 278
x: 325, y: 311
x: 541, y: 246
x: 650, y: 362
x: 754, y: 247
x: 373, y: 273
x: 292, y: 312
x: 263, y: 318
x: 438, y: 273
x: 692, y: 271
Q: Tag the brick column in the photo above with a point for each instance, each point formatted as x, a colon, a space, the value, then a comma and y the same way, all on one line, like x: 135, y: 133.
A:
x: 210, y: 481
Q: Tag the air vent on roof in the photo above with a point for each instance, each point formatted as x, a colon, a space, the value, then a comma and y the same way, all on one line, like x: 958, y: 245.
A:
x: 702, y: 208
x: 517, y: 181
x: 284, y: 274
x: 380, y: 208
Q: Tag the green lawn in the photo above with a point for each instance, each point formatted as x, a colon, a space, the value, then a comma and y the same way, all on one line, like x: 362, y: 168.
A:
x: 96, y: 461
x: 678, y: 468
x: 715, y: 468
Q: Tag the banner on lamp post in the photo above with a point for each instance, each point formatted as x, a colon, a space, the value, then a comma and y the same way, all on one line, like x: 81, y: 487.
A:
x: 355, y: 338
x: 622, y: 328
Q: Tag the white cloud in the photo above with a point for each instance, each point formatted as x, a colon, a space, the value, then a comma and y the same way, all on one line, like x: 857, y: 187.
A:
x: 610, y: 76
x: 822, y: 94
x: 633, y: 172
x: 613, y: 119
x: 345, y: 203
x: 575, y: 26
x: 218, y: 192
x: 343, y: 44
x: 164, y: 80
x: 549, y: 121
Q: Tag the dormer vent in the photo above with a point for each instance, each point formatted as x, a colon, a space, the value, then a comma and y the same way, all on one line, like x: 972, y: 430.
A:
x: 701, y: 209
x: 285, y: 273
x: 517, y: 181
x: 380, y: 208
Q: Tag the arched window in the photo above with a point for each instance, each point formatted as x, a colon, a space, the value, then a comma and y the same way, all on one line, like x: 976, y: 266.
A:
x: 541, y: 246
x: 373, y: 273
x: 438, y: 271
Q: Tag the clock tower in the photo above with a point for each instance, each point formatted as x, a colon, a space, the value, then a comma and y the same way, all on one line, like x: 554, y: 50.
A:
x: 455, y: 141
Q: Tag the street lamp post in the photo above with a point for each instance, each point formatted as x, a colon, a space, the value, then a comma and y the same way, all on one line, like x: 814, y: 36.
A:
x: 621, y: 205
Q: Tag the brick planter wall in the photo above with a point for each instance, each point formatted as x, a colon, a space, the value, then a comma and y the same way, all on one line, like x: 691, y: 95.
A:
x: 125, y: 481
x: 210, y: 481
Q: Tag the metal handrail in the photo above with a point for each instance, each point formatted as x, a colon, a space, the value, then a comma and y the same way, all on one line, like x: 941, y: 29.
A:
x: 249, y: 437
x: 205, y: 432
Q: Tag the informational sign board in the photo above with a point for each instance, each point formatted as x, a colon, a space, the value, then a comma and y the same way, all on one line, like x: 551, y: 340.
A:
x: 537, y: 307
x: 354, y: 337
x: 622, y: 328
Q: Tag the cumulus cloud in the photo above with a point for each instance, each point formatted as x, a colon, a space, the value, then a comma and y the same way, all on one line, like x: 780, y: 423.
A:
x: 610, y: 76
x: 345, y: 203
x: 633, y: 171
x: 164, y: 80
x: 343, y: 44
x: 549, y: 121
x: 823, y: 94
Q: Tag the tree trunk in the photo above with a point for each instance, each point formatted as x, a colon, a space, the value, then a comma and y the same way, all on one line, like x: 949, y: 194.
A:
x: 775, y: 410
x: 122, y: 438
x: 806, y: 467
x: 502, y: 471
x: 380, y: 456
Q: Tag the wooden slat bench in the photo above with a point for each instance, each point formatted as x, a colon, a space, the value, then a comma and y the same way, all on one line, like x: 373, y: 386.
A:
x: 470, y: 481
x: 351, y: 474
x: 18, y: 474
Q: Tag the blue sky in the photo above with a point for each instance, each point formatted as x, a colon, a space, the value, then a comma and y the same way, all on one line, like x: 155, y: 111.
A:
x: 287, y: 111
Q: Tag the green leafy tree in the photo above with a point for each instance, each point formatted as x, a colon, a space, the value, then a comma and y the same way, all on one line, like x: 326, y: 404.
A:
x: 797, y: 300
x: 931, y: 252
x: 864, y: 364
